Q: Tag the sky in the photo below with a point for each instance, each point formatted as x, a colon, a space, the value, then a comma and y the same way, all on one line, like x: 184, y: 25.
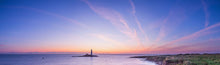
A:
x: 110, y: 26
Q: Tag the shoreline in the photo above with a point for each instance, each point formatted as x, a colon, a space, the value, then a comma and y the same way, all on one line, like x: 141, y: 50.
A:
x: 184, y: 59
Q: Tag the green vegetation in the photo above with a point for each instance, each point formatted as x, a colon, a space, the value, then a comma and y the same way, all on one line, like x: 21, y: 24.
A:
x: 184, y: 59
x: 204, y: 59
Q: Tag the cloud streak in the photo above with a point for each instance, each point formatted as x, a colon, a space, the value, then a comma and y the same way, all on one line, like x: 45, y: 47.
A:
x: 1, y: 45
x: 116, y: 19
x: 56, y: 15
x: 193, y: 35
x: 136, y: 20
x: 174, y: 18
x: 205, y: 7
x: 105, y: 38
x: 208, y: 45
x: 162, y: 32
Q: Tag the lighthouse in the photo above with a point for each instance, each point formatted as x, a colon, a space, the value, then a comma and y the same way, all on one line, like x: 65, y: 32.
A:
x: 91, y: 52
x: 87, y: 55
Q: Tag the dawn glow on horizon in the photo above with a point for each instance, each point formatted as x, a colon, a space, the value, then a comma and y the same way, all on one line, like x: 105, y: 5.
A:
x: 110, y: 26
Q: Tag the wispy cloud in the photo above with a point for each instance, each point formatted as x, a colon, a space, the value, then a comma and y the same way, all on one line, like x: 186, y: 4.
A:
x: 174, y: 18
x: 162, y: 32
x: 205, y: 7
x: 106, y: 38
x: 116, y: 19
x: 194, y: 35
x: 207, y: 45
x: 1, y: 45
x: 123, y: 47
x: 136, y: 19
x: 193, y: 47
x: 2, y: 48
x: 56, y: 15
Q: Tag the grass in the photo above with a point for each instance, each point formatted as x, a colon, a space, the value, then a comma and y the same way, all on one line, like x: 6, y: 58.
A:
x: 204, y: 60
x: 185, y: 59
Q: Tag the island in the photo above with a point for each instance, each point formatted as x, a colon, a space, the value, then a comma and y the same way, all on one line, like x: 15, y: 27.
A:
x: 87, y: 55
x: 184, y: 59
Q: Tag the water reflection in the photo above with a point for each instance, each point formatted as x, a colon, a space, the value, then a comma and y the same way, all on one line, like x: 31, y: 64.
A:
x: 91, y: 60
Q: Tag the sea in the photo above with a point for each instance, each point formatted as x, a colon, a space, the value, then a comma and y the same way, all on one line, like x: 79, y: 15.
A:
x: 67, y: 59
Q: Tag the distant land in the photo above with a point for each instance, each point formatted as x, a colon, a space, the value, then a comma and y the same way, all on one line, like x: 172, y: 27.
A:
x: 184, y: 59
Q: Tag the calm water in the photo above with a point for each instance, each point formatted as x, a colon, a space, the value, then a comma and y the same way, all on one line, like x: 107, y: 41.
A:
x: 64, y: 59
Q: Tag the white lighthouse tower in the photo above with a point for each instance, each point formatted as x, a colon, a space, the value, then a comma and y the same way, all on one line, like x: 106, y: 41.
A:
x: 91, y: 52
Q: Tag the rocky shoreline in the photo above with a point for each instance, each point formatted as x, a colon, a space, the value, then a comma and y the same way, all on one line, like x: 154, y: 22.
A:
x: 184, y: 59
